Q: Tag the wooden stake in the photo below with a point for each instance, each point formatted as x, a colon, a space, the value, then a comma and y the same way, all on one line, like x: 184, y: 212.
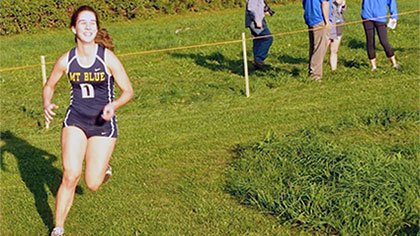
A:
x: 44, y: 80
x: 245, y: 65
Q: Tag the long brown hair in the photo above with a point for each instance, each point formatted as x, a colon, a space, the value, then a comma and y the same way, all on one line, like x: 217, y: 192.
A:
x: 102, y: 37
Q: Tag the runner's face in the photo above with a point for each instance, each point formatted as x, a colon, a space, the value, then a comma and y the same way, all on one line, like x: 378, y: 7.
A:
x: 86, y: 27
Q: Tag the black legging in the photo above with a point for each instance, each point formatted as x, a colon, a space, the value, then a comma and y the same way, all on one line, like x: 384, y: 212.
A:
x: 370, y: 27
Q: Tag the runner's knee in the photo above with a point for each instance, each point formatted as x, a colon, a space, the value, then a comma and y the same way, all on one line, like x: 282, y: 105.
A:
x: 71, y: 178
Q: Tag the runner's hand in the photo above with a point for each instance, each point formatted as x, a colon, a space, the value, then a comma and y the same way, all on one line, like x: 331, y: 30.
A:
x: 108, y: 112
x: 48, y: 113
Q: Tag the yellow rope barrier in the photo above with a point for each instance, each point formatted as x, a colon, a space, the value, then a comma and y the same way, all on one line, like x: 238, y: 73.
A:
x: 208, y: 44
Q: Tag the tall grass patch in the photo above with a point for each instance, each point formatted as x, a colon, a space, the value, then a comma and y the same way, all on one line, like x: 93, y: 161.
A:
x: 310, y: 180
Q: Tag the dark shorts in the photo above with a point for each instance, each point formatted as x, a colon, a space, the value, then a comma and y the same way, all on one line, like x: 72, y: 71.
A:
x: 91, y: 126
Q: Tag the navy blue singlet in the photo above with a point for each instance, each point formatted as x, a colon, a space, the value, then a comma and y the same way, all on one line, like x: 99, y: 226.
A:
x: 92, y: 87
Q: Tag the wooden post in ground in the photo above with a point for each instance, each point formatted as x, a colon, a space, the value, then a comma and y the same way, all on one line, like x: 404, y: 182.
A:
x: 245, y: 65
x: 44, y: 80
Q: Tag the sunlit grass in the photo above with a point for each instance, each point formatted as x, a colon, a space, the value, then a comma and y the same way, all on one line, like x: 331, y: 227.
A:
x: 189, y: 111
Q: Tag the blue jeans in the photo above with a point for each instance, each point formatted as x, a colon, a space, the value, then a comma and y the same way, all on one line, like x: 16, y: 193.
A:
x: 261, y: 46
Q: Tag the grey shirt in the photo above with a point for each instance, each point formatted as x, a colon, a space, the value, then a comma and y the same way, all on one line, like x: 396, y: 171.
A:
x: 337, y: 12
x: 254, y: 12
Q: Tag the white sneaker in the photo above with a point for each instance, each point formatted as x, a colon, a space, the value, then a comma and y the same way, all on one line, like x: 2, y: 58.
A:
x: 396, y: 66
x: 57, y: 231
x: 108, y: 174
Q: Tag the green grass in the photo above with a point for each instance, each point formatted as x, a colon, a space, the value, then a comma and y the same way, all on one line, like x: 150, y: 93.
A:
x: 306, y: 179
x: 189, y: 112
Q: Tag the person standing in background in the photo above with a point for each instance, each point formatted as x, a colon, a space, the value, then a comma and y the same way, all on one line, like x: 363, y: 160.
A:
x: 374, y: 15
x: 255, y: 20
x: 338, y: 7
x: 317, y: 18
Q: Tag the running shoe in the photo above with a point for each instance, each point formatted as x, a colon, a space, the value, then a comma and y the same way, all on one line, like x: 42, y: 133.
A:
x: 396, y: 66
x: 108, y: 174
x: 57, y: 231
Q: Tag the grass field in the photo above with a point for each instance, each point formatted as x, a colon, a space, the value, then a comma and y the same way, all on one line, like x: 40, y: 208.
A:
x: 178, y: 135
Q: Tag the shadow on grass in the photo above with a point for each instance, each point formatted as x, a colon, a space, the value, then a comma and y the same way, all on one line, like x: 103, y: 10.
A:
x: 218, y: 62
x: 409, y: 230
x: 292, y: 60
x: 272, y: 71
x: 400, y: 49
x: 356, y: 44
x: 215, y: 62
x: 36, y: 170
x: 355, y: 64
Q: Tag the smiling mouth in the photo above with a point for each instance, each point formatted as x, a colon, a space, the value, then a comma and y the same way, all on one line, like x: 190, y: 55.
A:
x: 87, y: 34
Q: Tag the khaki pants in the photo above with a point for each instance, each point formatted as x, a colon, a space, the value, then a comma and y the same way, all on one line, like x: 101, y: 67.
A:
x: 318, y: 43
